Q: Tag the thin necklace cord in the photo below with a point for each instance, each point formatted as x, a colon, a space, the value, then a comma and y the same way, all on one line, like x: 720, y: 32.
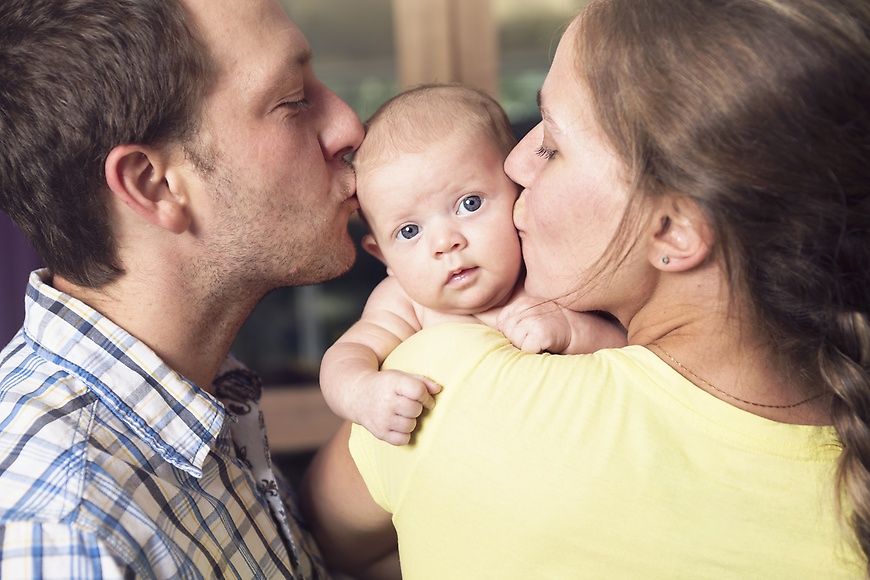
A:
x: 688, y: 371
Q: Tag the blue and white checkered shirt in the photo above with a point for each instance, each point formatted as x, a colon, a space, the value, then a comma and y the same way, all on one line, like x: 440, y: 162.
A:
x: 112, y: 465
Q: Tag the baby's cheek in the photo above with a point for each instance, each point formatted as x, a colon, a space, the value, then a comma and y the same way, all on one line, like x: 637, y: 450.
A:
x: 520, y: 211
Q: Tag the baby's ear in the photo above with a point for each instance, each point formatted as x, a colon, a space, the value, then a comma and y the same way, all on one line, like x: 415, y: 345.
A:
x: 371, y: 246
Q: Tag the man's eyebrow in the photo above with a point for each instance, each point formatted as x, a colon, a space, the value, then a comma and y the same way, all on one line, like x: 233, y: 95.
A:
x: 296, y: 60
x: 292, y: 62
x: 303, y: 57
x: 539, y: 98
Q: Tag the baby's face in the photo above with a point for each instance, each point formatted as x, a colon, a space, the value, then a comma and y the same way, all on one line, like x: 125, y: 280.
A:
x: 443, y: 221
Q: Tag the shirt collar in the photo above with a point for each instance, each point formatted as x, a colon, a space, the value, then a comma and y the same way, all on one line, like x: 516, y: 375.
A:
x: 176, y: 418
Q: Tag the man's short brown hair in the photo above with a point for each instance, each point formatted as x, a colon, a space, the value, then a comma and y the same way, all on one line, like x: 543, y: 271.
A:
x: 76, y: 80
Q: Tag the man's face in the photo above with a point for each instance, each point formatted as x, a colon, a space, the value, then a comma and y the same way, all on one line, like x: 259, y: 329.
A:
x: 273, y: 202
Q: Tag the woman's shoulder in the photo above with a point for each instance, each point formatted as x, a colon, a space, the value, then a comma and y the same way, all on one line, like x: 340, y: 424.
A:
x: 450, y: 334
x: 451, y: 351
x: 450, y: 337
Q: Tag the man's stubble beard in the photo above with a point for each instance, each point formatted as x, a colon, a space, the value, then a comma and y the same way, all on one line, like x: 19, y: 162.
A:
x: 234, y: 267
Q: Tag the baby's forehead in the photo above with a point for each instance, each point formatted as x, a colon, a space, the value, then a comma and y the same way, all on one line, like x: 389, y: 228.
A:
x: 411, y: 182
x: 386, y: 142
x: 453, y: 157
x: 392, y: 151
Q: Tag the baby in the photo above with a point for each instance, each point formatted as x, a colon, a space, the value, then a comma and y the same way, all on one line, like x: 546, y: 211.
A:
x: 439, y: 207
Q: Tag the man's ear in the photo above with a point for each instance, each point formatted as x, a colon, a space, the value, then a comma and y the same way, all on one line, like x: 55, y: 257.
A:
x: 682, y: 236
x: 137, y: 176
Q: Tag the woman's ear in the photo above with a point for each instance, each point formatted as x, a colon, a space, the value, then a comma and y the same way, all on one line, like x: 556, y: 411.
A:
x: 137, y: 176
x: 682, y: 237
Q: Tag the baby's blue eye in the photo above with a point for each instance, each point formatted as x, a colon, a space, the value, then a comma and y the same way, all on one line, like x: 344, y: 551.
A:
x: 409, y: 231
x: 470, y: 204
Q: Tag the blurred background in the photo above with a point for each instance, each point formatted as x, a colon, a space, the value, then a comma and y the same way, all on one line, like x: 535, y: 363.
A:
x: 366, y: 51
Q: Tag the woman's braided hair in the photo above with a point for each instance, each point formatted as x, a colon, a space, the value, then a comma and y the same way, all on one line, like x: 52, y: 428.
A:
x: 758, y: 111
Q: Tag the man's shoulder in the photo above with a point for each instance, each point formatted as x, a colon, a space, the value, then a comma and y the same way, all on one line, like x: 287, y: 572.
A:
x: 32, y: 386
x: 44, y: 432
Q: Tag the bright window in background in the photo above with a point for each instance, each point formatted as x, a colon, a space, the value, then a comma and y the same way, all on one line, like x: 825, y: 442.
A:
x: 528, y: 33
x: 353, y: 46
x: 355, y: 55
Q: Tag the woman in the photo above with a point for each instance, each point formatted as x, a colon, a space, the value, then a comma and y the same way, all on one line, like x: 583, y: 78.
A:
x: 701, y: 173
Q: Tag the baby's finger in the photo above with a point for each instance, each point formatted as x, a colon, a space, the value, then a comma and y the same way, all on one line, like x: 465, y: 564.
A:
x: 407, y: 408
x: 396, y: 438
x: 416, y: 390
x: 532, y: 342
x: 402, y: 424
x: 431, y: 386
x: 518, y: 337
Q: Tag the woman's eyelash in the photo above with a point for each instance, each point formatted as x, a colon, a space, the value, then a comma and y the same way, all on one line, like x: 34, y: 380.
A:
x: 545, y: 152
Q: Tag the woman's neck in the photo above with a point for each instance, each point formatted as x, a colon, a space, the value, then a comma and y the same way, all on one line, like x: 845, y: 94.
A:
x: 707, y: 335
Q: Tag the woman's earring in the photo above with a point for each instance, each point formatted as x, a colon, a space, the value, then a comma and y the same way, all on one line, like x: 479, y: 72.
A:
x: 666, y: 260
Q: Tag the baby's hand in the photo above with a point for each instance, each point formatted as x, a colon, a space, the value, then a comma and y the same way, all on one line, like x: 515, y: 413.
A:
x: 535, y: 326
x: 392, y: 401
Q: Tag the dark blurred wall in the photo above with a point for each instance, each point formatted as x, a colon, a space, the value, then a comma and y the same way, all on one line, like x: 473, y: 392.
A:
x: 17, y: 259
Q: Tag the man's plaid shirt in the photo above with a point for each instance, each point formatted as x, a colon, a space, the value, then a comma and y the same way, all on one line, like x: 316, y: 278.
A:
x: 113, y: 465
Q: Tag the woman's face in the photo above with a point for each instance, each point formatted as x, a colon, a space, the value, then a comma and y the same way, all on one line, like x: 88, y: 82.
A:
x: 573, y: 195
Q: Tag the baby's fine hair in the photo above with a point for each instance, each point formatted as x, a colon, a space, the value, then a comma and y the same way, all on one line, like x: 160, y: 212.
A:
x: 412, y: 120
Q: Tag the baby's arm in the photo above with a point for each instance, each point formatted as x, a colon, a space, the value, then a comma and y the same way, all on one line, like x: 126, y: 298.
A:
x: 534, y: 325
x: 387, y: 403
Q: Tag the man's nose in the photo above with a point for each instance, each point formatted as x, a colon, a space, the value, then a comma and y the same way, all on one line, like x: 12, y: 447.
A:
x: 341, y: 131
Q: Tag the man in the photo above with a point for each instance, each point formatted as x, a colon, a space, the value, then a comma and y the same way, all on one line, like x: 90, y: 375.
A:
x: 172, y: 161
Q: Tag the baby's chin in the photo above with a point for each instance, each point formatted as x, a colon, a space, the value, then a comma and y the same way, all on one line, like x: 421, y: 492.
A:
x: 474, y: 307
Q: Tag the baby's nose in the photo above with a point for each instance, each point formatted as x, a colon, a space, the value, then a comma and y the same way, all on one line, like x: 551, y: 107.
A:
x: 448, y: 240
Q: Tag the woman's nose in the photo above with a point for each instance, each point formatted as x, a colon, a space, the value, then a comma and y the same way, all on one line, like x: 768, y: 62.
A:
x: 522, y: 165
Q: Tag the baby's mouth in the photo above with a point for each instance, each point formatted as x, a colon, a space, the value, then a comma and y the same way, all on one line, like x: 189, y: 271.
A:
x: 460, y: 274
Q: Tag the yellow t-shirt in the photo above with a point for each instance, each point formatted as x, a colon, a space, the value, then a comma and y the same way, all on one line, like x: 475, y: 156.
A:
x: 609, y: 465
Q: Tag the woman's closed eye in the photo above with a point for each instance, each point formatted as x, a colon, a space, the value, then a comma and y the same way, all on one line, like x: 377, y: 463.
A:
x: 545, y: 152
